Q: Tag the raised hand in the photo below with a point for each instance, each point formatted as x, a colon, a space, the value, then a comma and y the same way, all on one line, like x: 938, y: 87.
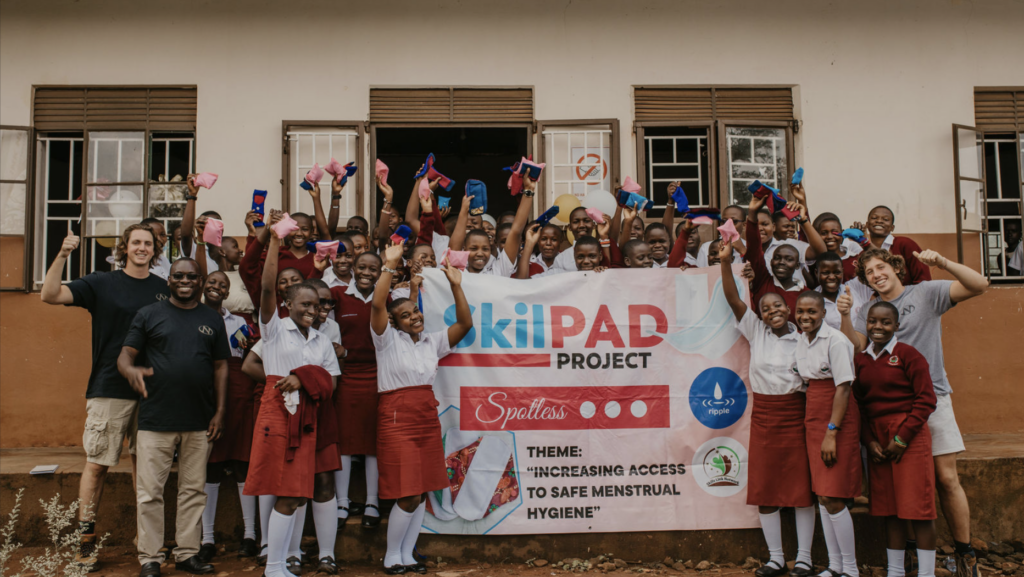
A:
x: 604, y: 227
x: 532, y: 235
x: 756, y: 204
x: 385, y: 190
x: 193, y: 190
x: 747, y: 272
x: 434, y: 184
x: 725, y: 252
x: 315, y: 191
x: 932, y: 258
x: 251, y: 218
x: 844, y: 304
x: 70, y: 243
x: 393, y: 254
x: 797, y: 190
x: 453, y: 273
x: 426, y: 204
x: 629, y: 212
x: 446, y: 211
x: 321, y: 264
x: 335, y: 187
x: 529, y: 184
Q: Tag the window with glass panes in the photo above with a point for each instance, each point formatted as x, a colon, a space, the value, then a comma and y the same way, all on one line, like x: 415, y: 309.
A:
x: 1002, y: 206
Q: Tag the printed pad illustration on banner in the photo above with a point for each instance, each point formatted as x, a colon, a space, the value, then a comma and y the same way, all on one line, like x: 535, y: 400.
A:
x: 718, y: 398
x: 483, y: 480
x: 720, y: 467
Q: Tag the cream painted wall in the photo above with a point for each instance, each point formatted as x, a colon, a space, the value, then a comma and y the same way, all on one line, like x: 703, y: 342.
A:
x: 879, y: 82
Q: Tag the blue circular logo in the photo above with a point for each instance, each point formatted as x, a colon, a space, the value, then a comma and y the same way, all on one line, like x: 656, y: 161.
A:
x: 718, y: 398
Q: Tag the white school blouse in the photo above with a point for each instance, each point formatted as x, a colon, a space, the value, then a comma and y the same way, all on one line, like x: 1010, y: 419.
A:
x: 285, y: 349
x: 828, y: 356
x: 772, y: 359
x: 238, y: 299
x: 402, y: 363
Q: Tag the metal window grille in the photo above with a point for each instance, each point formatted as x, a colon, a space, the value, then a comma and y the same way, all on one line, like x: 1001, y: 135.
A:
x: 1003, y: 221
x: 171, y: 160
x: 688, y: 166
x: 755, y: 153
x: 579, y: 160
x: 319, y: 145
x: 59, y: 201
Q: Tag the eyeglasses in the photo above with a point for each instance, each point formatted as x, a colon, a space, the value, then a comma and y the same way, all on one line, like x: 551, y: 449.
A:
x: 327, y: 303
x: 182, y: 276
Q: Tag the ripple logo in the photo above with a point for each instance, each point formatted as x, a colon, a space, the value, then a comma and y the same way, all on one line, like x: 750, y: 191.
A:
x: 720, y: 467
x: 718, y: 398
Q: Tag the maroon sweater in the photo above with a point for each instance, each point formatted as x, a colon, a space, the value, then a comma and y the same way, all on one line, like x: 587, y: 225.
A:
x: 317, y: 387
x: 353, y: 318
x: 894, y: 384
x: 764, y: 281
x: 917, y: 271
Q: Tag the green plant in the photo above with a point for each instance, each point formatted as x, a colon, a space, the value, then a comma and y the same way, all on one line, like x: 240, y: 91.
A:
x: 57, y: 560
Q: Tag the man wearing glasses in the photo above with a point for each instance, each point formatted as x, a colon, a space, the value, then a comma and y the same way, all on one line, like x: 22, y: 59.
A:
x: 112, y: 298
x: 175, y: 357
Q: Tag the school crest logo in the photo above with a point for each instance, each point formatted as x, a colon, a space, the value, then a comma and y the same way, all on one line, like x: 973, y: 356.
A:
x: 825, y: 368
x: 894, y: 360
x: 720, y: 467
x: 206, y: 330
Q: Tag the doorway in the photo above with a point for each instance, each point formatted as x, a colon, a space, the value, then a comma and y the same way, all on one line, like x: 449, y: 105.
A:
x: 460, y: 153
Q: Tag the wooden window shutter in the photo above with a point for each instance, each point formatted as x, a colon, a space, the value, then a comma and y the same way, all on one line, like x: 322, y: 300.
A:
x: 654, y: 104
x: 112, y: 108
x: 999, y: 110
x: 754, y: 103
x: 451, y: 105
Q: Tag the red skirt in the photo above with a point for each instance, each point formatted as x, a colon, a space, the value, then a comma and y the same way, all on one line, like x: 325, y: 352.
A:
x: 905, y: 489
x: 780, y: 475
x: 328, y: 459
x: 235, y: 443
x: 842, y: 480
x: 410, y: 457
x: 355, y: 403
x: 270, y: 473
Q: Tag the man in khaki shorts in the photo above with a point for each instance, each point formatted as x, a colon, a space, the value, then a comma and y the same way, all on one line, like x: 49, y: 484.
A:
x: 112, y: 298
x: 921, y: 307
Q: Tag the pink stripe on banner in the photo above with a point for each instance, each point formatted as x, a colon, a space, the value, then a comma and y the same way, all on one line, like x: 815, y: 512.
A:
x: 495, y: 360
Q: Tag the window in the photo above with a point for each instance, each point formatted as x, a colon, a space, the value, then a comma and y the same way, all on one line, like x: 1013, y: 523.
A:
x: 716, y: 140
x: 992, y: 205
x: 307, y: 143
x: 126, y: 148
x: 582, y: 157
x: 15, y: 163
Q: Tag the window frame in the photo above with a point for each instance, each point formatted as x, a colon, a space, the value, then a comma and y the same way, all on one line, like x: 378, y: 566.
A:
x: 960, y: 205
x: 286, y: 160
x: 724, y: 192
x: 615, y: 144
x: 26, y: 231
x: 641, y: 153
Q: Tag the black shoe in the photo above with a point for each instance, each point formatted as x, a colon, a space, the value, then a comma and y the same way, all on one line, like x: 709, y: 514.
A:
x: 248, y: 548
x: 327, y: 565
x: 771, y: 569
x: 207, y: 551
x: 801, y: 569
x: 356, y: 508
x: 261, y: 560
x: 194, y: 566
x: 294, y: 566
x: 417, y: 568
x: 395, y: 570
x: 151, y: 569
x: 369, y: 521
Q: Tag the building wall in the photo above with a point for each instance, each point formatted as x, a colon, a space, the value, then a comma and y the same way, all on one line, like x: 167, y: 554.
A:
x: 878, y: 83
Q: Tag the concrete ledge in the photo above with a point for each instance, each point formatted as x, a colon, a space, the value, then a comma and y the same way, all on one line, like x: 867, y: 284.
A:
x: 991, y: 472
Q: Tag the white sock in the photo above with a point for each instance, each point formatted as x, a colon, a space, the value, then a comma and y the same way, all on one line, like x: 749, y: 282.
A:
x: 299, y: 522
x: 341, y: 479
x: 896, y: 568
x: 771, y: 526
x: 413, y: 533
x: 835, y: 556
x: 248, y: 512
x: 210, y: 512
x: 370, y: 462
x: 266, y: 508
x: 804, y: 534
x: 398, y: 523
x: 325, y: 520
x: 926, y: 563
x: 280, y: 532
x: 842, y: 524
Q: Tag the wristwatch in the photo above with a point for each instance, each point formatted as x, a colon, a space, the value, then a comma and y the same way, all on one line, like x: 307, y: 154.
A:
x: 336, y: 196
x: 833, y: 427
x: 390, y: 270
x: 190, y: 197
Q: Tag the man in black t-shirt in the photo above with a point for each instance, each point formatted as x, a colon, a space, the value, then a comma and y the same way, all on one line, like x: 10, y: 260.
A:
x: 175, y: 357
x: 112, y: 298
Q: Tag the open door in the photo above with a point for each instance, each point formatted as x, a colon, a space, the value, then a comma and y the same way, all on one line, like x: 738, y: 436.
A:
x: 582, y: 157
x: 969, y: 183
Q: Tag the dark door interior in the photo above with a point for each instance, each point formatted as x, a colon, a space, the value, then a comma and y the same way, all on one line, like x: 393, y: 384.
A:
x: 459, y: 153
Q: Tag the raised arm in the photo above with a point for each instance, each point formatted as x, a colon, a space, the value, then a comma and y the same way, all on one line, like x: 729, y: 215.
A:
x: 755, y: 252
x: 677, y: 257
x: 813, y: 238
x: 412, y: 208
x: 189, y: 218
x: 732, y: 294
x: 463, y: 318
x: 458, y: 237
x: 844, y: 304
x: 425, y: 234
x: 335, y: 213
x: 523, y: 264
x: 379, y: 307
x: 969, y: 283
x: 668, y: 218
x: 268, y: 286
x: 54, y: 292
x: 515, y: 234
x: 628, y: 216
x: 318, y: 212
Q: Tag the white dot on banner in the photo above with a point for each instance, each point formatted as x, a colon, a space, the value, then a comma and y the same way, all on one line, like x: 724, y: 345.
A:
x: 612, y: 409
x: 638, y: 408
x: 587, y: 409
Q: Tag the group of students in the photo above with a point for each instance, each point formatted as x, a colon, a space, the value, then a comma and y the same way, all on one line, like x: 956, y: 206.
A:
x: 322, y: 357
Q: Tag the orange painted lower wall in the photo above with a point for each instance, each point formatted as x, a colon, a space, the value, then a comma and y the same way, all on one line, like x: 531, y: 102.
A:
x: 45, y: 357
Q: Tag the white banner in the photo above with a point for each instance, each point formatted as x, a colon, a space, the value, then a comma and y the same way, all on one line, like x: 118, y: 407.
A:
x: 588, y: 401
